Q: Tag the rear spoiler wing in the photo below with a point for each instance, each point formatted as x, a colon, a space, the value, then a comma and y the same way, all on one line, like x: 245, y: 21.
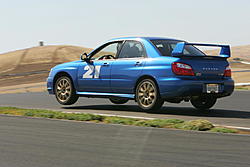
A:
x: 179, y: 48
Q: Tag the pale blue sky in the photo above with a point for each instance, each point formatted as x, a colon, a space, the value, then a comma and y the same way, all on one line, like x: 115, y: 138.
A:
x: 90, y: 22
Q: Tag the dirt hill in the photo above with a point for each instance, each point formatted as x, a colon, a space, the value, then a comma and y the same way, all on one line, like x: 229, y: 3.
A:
x: 38, y: 58
x: 237, y: 53
x: 33, y: 64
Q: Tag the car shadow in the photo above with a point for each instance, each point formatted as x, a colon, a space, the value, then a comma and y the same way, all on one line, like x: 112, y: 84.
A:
x: 181, y: 111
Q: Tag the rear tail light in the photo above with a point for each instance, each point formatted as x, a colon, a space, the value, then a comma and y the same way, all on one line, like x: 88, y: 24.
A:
x: 182, y: 69
x: 227, y: 72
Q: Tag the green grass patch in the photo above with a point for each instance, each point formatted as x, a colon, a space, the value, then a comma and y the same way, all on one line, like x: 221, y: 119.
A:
x: 223, y: 130
x: 242, y: 87
x: 120, y: 120
x: 159, y: 123
x: 50, y: 114
x: 198, y: 125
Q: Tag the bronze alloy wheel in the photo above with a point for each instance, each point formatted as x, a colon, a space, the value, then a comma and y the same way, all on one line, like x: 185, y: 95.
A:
x: 64, y: 91
x: 147, y: 95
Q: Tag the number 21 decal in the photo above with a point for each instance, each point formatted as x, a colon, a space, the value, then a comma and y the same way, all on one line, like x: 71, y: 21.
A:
x: 92, y: 71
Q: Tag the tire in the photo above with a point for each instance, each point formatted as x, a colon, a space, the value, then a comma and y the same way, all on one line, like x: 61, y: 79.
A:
x: 118, y: 100
x: 64, y: 91
x: 203, y: 102
x: 147, y: 96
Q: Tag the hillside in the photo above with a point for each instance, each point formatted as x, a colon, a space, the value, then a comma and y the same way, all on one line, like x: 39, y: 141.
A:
x: 45, y: 57
x: 38, y: 58
x: 237, y: 53
x: 33, y: 64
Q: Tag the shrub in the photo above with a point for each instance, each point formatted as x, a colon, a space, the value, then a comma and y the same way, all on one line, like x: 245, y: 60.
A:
x: 199, y: 124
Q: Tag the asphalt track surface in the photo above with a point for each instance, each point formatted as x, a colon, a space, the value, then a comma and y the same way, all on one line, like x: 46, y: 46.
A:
x: 33, y: 142
x: 232, y: 111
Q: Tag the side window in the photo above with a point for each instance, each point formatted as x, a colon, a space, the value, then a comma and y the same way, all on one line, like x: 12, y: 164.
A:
x: 132, y: 49
x: 108, y: 52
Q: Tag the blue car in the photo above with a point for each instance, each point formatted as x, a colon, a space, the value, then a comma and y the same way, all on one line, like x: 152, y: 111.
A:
x: 149, y: 70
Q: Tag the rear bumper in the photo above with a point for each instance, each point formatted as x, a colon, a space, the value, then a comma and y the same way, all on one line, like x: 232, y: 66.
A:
x: 176, y: 87
x: 50, y: 85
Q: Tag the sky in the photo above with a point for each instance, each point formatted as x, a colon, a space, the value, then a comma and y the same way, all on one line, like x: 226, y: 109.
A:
x: 89, y: 23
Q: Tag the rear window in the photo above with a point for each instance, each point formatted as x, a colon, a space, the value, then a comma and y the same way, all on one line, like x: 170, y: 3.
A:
x: 166, y: 47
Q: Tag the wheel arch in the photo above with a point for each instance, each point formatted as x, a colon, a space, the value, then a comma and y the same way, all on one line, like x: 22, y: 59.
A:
x: 60, y: 74
x: 146, y: 77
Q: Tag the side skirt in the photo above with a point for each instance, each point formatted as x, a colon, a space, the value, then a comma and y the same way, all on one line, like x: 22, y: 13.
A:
x: 105, y: 95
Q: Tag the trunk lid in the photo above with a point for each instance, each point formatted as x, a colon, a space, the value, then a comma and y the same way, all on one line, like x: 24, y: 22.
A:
x: 206, y: 67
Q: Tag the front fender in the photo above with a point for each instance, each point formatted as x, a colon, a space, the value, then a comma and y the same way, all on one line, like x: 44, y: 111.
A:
x: 57, y: 71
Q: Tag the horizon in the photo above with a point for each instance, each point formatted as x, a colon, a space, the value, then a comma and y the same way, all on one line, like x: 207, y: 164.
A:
x: 90, y: 23
x: 203, y: 48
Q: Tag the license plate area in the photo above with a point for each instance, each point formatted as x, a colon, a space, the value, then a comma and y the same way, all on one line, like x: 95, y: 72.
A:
x: 212, y: 88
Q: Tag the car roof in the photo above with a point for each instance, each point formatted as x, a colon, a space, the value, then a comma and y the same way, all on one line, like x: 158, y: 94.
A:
x: 145, y: 38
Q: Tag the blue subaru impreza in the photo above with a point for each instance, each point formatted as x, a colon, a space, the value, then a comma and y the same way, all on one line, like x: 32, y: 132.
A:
x: 149, y: 70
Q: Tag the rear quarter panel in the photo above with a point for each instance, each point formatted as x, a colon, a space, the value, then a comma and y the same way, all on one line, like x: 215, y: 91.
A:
x: 160, y: 69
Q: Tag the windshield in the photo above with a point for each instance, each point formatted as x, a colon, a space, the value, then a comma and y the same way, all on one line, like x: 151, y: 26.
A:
x: 166, y: 47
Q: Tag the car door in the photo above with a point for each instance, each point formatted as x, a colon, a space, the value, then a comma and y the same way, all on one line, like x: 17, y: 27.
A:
x: 94, y: 76
x: 127, y: 68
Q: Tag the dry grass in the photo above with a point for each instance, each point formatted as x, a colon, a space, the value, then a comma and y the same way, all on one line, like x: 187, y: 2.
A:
x: 38, y: 58
x: 242, y: 52
x: 24, y: 88
x: 35, y: 59
x: 241, y: 77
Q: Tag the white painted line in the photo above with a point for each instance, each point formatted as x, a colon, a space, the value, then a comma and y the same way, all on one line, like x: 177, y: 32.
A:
x: 242, y: 84
x: 245, y: 62
x: 234, y: 127
x: 114, y: 115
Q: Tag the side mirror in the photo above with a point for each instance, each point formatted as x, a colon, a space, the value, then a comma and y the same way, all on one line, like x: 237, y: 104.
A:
x: 83, y: 56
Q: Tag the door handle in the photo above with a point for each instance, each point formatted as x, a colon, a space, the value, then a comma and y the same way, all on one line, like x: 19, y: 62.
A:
x: 105, y: 64
x: 138, y: 63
